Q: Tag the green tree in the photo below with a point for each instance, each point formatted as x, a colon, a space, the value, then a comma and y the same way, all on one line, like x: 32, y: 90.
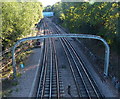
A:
x: 17, y: 20
x: 100, y: 18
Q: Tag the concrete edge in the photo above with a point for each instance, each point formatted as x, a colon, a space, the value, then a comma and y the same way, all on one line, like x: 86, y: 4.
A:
x: 34, y: 84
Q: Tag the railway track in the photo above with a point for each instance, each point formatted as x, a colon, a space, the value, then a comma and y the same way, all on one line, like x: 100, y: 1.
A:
x: 50, y: 84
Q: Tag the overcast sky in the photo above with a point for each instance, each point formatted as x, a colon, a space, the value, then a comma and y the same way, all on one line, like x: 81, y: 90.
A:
x: 48, y: 2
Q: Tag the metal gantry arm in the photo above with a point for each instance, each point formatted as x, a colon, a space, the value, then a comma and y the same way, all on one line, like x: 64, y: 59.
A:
x: 107, y: 49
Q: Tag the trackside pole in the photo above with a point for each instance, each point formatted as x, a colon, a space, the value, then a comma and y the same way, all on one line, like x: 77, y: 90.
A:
x: 107, y: 49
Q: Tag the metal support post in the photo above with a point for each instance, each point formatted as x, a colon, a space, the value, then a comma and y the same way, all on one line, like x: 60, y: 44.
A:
x: 107, y: 49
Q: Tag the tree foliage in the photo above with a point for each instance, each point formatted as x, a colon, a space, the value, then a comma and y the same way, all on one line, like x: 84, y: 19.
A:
x: 100, y: 18
x: 17, y: 20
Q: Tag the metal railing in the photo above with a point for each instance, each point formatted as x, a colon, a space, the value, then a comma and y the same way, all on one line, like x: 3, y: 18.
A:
x: 107, y: 49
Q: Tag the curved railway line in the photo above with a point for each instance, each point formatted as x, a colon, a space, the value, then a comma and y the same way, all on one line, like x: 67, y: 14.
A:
x: 50, y: 84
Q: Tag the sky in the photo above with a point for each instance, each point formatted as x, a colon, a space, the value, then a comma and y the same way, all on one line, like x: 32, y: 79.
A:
x: 48, y: 2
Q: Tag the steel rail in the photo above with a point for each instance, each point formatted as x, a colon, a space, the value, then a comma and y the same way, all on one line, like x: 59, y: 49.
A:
x: 57, y: 72
x: 47, y: 65
x: 86, y: 76
x: 50, y: 85
x: 63, y: 40
x: 79, y: 59
x: 53, y: 57
x: 56, y: 65
x: 71, y: 67
x: 78, y: 67
x: 51, y: 69
x: 51, y: 72
x: 83, y: 67
x: 44, y: 78
x: 42, y: 81
x: 73, y: 73
x: 66, y: 43
x: 42, y: 73
x: 74, y: 51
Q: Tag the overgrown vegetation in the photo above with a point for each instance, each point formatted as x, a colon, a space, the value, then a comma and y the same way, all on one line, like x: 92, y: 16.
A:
x: 100, y: 18
x: 21, y: 54
x: 18, y: 19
